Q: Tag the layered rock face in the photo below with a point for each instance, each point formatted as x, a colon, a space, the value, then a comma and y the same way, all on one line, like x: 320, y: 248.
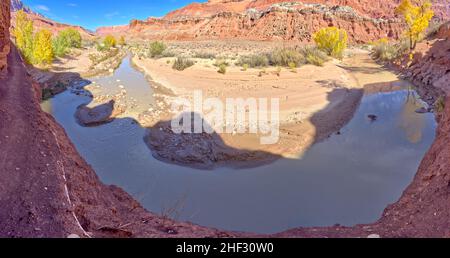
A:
x: 4, y: 33
x: 365, y: 20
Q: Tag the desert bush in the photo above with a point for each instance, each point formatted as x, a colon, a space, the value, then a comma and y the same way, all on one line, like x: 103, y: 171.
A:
x: 60, y: 46
x: 286, y: 56
x: 383, y: 50
x: 167, y: 53
x: 156, y: 49
x: 245, y: 67
x: 108, y: 42
x: 42, y: 49
x: 332, y: 41
x: 222, y: 68
x: 182, y: 63
x: 205, y: 55
x: 314, y: 56
x: 23, y: 34
x: 254, y: 61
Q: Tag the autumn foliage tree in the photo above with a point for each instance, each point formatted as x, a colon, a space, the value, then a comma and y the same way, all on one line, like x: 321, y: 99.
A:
x: 43, y: 49
x: 109, y: 41
x: 332, y: 41
x: 23, y: 34
x: 417, y: 16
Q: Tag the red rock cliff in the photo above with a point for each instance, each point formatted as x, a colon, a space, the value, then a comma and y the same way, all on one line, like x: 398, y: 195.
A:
x: 4, y: 33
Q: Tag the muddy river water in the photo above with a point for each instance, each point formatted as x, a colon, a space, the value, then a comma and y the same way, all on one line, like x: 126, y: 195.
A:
x: 347, y: 179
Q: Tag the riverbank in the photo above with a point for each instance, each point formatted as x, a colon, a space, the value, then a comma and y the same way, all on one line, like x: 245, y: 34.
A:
x: 77, y: 65
x: 315, y: 102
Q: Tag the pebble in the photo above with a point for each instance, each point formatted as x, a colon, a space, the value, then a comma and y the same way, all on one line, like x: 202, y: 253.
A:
x: 374, y: 236
x: 73, y: 236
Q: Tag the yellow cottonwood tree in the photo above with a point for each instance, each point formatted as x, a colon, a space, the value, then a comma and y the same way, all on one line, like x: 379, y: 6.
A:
x: 43, y: 49
x: 417, y: 16
x: 23, y: 34
x: 332, y: 41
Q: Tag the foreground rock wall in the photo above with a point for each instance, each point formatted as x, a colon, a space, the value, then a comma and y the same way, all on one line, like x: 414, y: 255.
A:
x: 4, y: 33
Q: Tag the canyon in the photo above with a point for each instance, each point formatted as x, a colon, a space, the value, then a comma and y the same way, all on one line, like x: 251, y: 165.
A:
x: 365, y: 21
x: 51, y: 191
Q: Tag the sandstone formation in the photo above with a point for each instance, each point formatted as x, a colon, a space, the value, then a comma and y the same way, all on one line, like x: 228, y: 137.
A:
x: 42, y: 22
x: 17, y: 5
x: 365, y: 20
x: 4, y: 33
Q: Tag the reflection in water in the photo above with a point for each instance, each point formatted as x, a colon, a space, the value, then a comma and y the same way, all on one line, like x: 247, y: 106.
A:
x: 411, y: 122
x: 348, y: 179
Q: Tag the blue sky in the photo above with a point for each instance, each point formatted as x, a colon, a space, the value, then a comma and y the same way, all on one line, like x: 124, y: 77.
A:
x: 95, y: 13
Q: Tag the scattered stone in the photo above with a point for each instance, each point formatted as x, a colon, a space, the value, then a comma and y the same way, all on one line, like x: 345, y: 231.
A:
x: 372, y: 118
x: 374, y: 236
x: 73, y: 236
x: 422, y: 110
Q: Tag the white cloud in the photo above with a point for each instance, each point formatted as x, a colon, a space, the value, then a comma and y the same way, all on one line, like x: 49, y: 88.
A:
x: 41, y: 7
x: 110, y: 15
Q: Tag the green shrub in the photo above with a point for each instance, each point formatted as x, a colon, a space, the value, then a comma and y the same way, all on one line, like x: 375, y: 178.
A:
x: 71, y: 36
x: 156, y: 49
x: 332, y: 41
x: 314, y: 56
x: 245, y: 67
x: 182, y: 63
x: 222, y: 69
x: 60, y: 46
x: 286, y: 56
x: 254, y: 61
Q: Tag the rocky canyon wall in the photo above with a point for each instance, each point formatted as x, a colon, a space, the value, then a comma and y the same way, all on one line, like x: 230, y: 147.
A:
x: 4, y: 33
x: 364, y: 20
